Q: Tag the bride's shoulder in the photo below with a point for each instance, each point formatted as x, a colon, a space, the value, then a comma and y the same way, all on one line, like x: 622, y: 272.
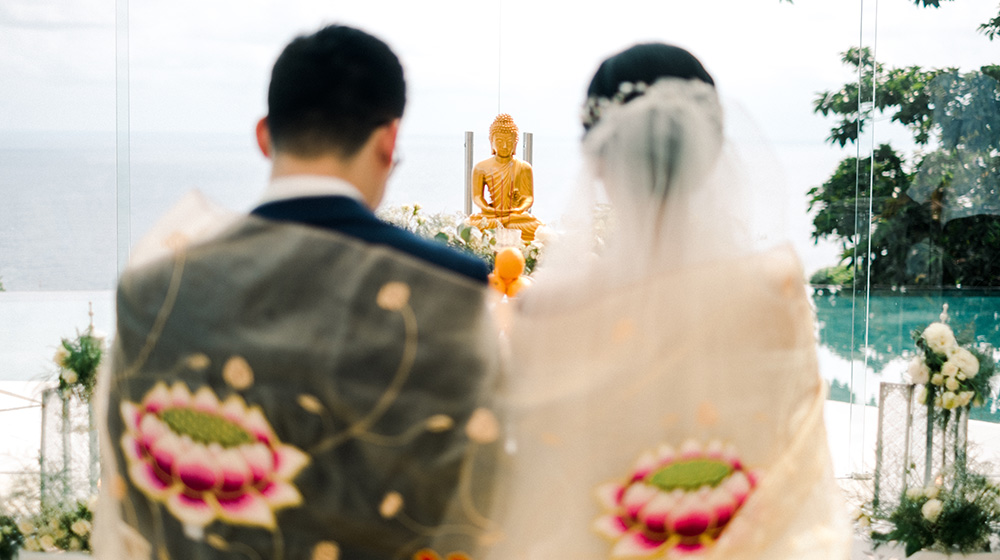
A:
x: 774, y: 269
x: 778, y: 267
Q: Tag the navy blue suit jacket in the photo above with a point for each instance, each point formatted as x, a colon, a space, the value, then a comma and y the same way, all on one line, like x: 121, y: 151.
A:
x: 349, y: 217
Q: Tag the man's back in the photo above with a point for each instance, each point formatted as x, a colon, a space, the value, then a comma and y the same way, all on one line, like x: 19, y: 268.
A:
x: 283, y: 387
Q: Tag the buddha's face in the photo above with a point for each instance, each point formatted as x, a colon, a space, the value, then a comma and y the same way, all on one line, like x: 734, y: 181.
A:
x: 504, y: 144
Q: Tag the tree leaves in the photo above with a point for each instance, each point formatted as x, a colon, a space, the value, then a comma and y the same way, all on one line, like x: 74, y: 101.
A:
x: 933, y: 214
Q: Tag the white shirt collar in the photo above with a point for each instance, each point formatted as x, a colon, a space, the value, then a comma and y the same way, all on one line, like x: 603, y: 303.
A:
x: 297, y: 186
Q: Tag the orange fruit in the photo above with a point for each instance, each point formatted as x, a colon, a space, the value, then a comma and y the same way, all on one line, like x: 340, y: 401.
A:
x: 517, y: 285
x: 497, y: 284
x: 509, y: 263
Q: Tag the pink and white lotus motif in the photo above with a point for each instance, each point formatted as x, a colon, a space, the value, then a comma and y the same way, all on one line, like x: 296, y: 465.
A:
x: 207, y: 460
x: 676, y: 502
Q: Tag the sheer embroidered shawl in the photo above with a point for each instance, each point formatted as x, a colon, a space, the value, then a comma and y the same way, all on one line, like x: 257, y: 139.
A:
x: 279, y: 391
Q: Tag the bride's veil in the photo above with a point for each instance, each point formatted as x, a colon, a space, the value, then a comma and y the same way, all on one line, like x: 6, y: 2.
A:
x: 666, y: 311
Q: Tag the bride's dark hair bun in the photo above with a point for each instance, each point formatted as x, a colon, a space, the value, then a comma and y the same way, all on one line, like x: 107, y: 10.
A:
x: 647, y: 63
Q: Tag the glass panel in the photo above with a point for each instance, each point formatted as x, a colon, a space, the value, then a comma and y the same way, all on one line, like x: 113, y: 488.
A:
x: 58, y: 215
x: 57, y: 168
x: 924, y: 212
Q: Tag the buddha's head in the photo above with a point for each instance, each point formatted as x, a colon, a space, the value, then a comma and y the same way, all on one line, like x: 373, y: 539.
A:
x: 503, y: 135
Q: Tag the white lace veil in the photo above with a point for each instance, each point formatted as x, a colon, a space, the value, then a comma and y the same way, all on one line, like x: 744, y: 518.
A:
x: 670, y: 189
x: 672, y: 313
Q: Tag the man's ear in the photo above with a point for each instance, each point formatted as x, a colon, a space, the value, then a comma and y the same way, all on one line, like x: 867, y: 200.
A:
x: 264, y: 137
x: 386, y: 142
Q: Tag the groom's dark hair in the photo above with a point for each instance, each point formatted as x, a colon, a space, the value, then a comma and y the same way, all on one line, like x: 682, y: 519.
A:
x: 331, y: 89
x: 647, y: 63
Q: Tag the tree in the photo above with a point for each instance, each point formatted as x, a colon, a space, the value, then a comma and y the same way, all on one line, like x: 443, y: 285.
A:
x: 930, y: 218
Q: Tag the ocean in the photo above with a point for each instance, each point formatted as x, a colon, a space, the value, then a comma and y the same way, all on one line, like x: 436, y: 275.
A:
x: 58, y: 222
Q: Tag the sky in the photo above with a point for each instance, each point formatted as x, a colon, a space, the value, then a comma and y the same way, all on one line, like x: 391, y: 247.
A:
x: 203, y: 66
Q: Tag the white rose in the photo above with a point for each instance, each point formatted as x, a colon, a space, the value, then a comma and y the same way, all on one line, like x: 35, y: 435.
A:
x: 25, y: 527
x: 60, y: 356
x: 48, y: 543
x: 949, y: 400
x: 951, y: 384
x: 949, y: 369
x: 939, y: 338
x: 914, y: 493
x: 937, y: 379
x: 920, y: 374
x: 69, y: 376
x: 932, y: 491
x: 965, y: 397
x: 965, y: 360
x: 31, y: 544
x: 81, y: 527
x: 922, y: 394
x: 932, y: 509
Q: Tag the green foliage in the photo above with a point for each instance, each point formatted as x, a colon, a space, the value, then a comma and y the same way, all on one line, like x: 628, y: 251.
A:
x: 11, y: 538
x: 58, y: 528
x: 991, y: 28
x: 78, y: 360
x: 835, y: 202
x: 839, y: 275
x: 929, y: 3
x: 961, y: 519
x: 934, y: 214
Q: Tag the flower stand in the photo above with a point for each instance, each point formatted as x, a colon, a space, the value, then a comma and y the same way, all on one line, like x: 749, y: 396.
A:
x: 908, y: 437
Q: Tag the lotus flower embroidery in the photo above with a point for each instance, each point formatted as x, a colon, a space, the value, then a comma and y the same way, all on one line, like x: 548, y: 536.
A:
x: 207, y: 459
x: 676, y: 502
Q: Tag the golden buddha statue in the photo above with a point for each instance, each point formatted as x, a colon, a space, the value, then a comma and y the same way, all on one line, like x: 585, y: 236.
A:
x: 507, y: 182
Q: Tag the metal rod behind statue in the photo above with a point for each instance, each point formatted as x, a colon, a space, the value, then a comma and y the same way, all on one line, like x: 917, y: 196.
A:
x: 468, y: 172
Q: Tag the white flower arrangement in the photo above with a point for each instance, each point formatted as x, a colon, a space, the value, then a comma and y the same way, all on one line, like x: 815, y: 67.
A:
x: 952, y: 374
x: 78, y: 360
x: 453, y: 230
x: 55, y: 529
x: 953, y: 520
